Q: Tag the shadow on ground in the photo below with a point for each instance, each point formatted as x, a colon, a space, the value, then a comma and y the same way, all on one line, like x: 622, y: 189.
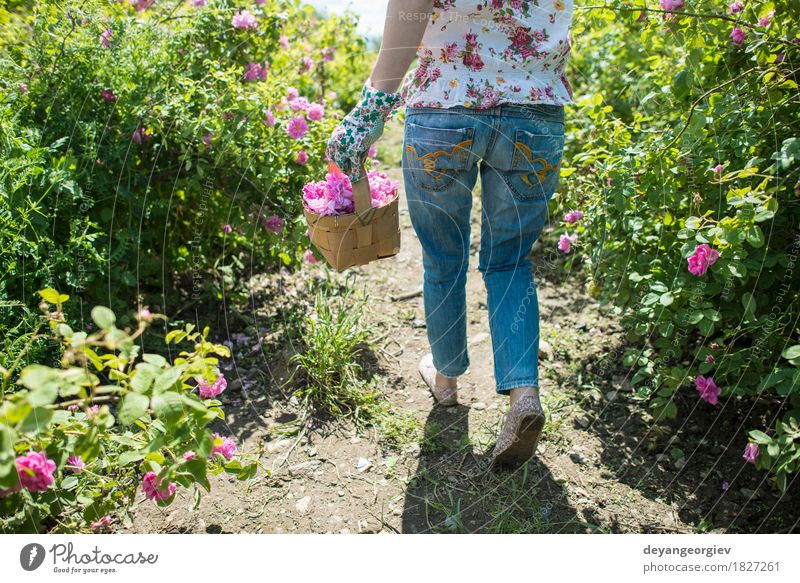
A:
x: 453, y: 491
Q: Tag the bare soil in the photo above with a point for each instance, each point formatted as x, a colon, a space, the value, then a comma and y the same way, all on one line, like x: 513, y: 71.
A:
x: 603, y: 465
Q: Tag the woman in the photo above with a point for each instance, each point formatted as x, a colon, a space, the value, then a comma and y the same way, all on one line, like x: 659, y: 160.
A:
x: 487, y: 98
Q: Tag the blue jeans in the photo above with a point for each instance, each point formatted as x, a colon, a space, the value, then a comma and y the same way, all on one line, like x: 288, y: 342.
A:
x: 517, y: 150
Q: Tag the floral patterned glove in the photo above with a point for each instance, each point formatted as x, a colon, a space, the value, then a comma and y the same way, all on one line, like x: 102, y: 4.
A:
x: 348, y: 145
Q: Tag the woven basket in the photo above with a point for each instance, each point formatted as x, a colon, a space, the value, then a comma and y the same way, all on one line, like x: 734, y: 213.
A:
x: 358, y: 238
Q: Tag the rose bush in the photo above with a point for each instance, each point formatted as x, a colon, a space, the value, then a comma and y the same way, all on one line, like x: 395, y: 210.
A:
x: 147, y: 146
x: 685, y: 162
x: 79, y: 441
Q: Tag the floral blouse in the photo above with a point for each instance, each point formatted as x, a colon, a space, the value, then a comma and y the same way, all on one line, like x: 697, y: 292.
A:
x: 480, y: 53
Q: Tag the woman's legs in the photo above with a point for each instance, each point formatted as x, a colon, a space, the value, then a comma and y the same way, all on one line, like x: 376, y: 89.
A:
x: 509, y: 228
x: 441, y: 221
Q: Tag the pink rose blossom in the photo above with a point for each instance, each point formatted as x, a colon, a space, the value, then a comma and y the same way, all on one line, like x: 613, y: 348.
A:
x: 372, y: 152
x: 24, y: 87
x: 227, y: 229
x: 725, y: 485
x: 141, y: 135
x: 573, y: 217
x: 297, y: 128
x: 718, y: 168
x: 223, y: 446
x: 327, y: 54
x: 269, y: 119
x: 301, y: 158
x: 102, y: 523
x: 751, y: 452
x: 292, y: 93
x: 334, y: 195
x: 299, y: 104
x: 702, y: 258
x: 737, y: 36
x: 309, y: 256
x: 198, y: 3
x: 210, y: 391
x: 208, y: 139
x: 308, y: 64
x: 670, y: 5
x: 766, y: 19
x: 92, y: 411
x: 74, y: 406
x: 108, y: 95
x: 153, y: 490
x: 256, y: 71
x: 35, y: 471
x: 189, y: 455
x: 709, y: 358
x: 714, y: 345
x: 736, y: 7
x: 244, y: 20
x: 283, y: 41
x: 565, y: 242
x: 105, y: 38
x: 708, y: 389
x: 315, y: 111
x: 273, y: 224
x: 76, y: 463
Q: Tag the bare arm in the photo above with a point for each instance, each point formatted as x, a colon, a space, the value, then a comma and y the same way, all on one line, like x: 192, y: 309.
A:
x: 406, y: 21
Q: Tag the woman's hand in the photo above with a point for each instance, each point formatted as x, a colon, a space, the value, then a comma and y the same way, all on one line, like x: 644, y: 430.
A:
x: 350, y: 141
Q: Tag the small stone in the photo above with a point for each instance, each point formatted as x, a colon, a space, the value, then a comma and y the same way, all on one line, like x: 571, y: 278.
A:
x: 340, y: 493
x: 584, y: 421
x: 479, y: 406
x: 578, y: 458
x: 478, y: 338
x: 545, y: 350
x: 363, y: 464
x: 416, y: 323
x: 303, y: 504
x: 274, y: 446
x: 612, y: 395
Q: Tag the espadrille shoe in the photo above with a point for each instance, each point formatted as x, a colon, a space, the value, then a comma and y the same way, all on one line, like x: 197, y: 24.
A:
x: 520, y: 435
x: 447, y: 396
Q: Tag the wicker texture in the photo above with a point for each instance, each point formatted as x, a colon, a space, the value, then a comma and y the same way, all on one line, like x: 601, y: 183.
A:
x: 358, y: 238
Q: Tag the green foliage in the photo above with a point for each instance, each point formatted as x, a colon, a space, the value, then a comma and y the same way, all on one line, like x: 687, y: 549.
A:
x: 328, y: 367
x: 89, y: 205
x: 123, y: 412
x: 681, y: 138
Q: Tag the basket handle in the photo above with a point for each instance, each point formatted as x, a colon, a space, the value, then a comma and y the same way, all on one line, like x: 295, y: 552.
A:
x: 362, y: 197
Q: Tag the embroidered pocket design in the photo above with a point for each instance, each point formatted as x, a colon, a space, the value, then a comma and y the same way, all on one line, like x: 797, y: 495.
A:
x: 540, y: 173
x: 429, y: 160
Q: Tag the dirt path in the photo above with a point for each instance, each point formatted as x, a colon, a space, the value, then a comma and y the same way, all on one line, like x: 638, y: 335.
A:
x: 602, y: 466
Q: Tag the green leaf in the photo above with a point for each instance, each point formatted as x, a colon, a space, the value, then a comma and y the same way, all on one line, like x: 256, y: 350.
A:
x: 167, y: 406
x: 749, y: 304
x: 755, y: 236
x: 760, y: 437
x: 51, y: 296
x: 667, y: 299
x: 103, y: 317
x: 129, y: 457
x: 37, y: 420
x: 792, y: 352
x: 133, y: 406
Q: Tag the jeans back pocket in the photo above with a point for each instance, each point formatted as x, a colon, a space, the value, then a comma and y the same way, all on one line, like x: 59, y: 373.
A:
x: 535, y: 165
x: 434, y: 156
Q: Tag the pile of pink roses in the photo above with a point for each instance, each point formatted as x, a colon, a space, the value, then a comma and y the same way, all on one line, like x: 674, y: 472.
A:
x: 334, y: 195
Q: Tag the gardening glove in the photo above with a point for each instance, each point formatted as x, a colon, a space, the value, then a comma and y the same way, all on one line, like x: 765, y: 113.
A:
x: 350, y: 141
